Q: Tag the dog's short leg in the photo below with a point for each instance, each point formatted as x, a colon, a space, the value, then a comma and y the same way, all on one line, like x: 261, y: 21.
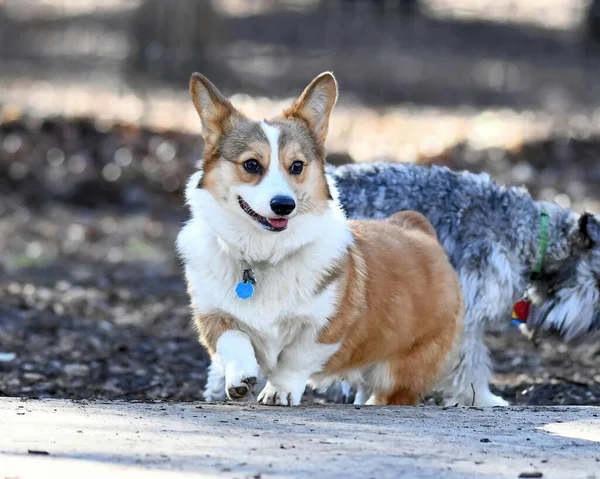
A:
x: 468, y: 383
x: 295, y: 365
x: 234, y: 370
x: 235, y: 353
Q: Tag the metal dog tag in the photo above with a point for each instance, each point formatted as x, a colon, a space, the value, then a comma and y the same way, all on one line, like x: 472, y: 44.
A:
x: 245, y: 288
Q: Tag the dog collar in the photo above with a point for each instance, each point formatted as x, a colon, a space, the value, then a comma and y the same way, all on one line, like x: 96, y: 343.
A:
x: 542, y: 245
x: 520, y: 311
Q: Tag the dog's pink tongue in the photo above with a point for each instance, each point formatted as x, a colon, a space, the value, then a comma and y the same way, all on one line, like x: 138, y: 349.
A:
x: 278, y: 222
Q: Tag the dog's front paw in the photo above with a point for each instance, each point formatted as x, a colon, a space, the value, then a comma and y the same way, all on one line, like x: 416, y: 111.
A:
x: 240, y: 381
x: 273, y: 396
x: 243, y: 389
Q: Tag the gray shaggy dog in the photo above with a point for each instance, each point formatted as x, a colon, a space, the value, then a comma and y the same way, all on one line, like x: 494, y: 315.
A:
x: 492, y: 236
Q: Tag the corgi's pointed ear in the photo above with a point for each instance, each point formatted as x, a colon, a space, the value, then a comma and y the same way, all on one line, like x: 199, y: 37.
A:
x: 215, y: 111
x: 315, y: 105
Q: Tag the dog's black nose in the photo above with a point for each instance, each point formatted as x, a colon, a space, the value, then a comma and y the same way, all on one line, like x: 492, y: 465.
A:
x: 282, y: 205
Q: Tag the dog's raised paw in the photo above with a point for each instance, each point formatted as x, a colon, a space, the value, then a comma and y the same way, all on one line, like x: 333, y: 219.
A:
x: 246, y: 386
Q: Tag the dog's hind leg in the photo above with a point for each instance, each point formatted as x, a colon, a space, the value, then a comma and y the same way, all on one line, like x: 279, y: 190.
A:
x: 398, y: 397
x: 488, y: 281
x: 468, y: 382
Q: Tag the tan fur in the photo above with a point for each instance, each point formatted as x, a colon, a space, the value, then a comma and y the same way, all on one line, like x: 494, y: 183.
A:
x: 334, y: 272
x: 402, y: 306
x: 210, y: 327
x: 413, y: 220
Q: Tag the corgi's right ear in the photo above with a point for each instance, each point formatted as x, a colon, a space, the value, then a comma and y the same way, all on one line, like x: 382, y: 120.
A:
x: 315, y: 105
x: 215, y: 111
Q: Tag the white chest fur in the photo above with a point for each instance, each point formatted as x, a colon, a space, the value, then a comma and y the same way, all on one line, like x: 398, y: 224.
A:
x: 284, y: 310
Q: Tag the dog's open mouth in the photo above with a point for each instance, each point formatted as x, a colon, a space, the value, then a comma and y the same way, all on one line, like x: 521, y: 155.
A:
x: 271, y: 224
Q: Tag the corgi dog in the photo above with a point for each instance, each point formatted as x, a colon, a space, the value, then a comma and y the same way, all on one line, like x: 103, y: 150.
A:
x: 283, y: 285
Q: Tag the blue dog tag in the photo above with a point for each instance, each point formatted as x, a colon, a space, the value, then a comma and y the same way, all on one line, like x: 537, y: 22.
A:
x: 244, y: 290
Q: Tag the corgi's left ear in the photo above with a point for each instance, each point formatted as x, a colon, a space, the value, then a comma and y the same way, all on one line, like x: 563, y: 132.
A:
x: 315, y: 105
x: 215, y: 111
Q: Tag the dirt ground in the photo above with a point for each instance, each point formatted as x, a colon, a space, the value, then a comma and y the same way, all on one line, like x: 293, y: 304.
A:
x: 126, y: 439
x: 92, y: 302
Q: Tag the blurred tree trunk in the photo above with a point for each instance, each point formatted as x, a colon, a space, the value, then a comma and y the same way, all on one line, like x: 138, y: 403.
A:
x: 593, y: 20
x: 170, y: 38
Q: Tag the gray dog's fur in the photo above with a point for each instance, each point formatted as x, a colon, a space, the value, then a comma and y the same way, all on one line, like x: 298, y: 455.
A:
x: 491, y: 234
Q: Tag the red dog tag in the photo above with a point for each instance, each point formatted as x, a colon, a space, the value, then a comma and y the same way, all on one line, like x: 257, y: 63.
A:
x: 521, y: 311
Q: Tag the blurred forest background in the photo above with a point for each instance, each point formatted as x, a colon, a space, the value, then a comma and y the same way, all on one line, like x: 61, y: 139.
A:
x: 98, y: 134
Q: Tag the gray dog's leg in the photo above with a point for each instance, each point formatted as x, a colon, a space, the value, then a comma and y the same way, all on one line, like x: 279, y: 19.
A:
x: 468, y: 382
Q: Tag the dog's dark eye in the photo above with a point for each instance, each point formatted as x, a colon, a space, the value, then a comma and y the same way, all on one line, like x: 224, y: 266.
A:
x: 252, y: 166
x: 296, y: 168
